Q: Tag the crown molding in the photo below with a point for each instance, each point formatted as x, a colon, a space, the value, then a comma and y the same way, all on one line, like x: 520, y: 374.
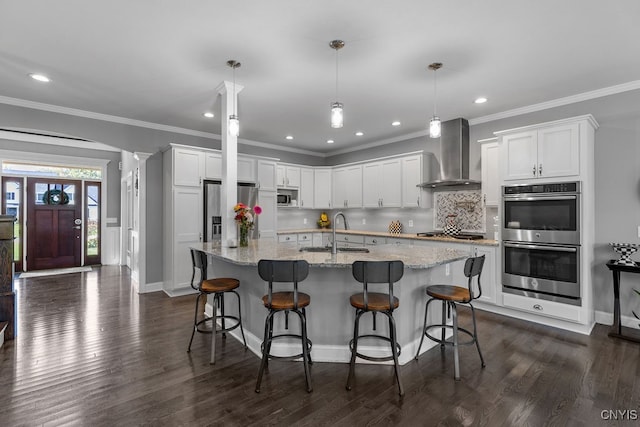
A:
x: 598, y: 93
x: 386, y: 141
x: 10, y: 135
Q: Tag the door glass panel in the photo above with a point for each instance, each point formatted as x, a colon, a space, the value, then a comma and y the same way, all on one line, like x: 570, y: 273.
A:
x: 92, y: 218
x: 55, y: 194
x: 13, y: 196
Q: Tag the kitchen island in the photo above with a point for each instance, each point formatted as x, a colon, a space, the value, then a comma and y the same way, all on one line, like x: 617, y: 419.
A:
x: 330, y: 317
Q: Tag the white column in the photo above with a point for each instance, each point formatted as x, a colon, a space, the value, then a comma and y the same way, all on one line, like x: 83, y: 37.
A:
x: 229, y: 159
x: 141, y: 220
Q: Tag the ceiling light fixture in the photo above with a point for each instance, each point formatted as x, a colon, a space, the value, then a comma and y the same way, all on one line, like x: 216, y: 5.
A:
x: 289, y: 137
x: 208, y: 115
x: 330, y: 141
x: 435, y: 124
x: 396, y: 123
x: 40, y: 78
x: 234, y: 122
x: 480, y: 100
x: 337, y: 113
x: 359, y: 133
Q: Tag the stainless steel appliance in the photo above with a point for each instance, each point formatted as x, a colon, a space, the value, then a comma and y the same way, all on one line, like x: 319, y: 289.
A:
x: 548, y: 213
x: 247, y: 194
x: 284, y: 199
x: 541, y: 241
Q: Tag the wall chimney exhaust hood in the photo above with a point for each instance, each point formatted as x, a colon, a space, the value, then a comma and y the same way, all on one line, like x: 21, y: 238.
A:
x: 453, y: 166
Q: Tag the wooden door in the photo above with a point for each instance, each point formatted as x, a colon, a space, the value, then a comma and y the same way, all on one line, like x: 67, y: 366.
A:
x: 54, y: 223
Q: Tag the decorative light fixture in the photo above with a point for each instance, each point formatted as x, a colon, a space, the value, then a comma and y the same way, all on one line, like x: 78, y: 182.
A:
x: 435, y: 124
x: 234, y: 122
x: 480, y: 100
x: 209, y: 115
x: 337, y: 113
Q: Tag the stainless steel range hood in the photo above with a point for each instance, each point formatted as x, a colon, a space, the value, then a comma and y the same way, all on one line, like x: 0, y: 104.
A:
x: 453, y: 165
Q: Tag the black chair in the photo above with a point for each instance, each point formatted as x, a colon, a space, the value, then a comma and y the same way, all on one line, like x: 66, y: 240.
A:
x: 367, y: 272
x: 451, y: 296
x: 277, y: 271
x: 218, y: 287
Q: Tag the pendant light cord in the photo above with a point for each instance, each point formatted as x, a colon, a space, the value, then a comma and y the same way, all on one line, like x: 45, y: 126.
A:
x: 434, y: 91
x: 336, y: 75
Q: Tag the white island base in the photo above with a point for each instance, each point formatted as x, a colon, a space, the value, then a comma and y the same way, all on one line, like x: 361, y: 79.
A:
x: 330, y: 317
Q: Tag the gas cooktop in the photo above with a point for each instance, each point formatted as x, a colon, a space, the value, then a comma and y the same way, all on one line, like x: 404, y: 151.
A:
x: 459, y: 236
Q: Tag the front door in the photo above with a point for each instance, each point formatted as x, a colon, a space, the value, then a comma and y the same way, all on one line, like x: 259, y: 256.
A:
x: 54, y: 223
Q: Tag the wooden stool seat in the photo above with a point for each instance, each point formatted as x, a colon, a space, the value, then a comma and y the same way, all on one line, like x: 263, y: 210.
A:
x: 221, y: 284
x: 284, y: 300
x: 450, y: 296
x: 376, y: 301
x: 217, y: 287
x: 292, y: 272
x: 449, y: 293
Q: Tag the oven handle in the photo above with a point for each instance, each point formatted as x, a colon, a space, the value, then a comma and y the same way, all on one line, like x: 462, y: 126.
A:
x: 529, y: 199
x: 551, y: 248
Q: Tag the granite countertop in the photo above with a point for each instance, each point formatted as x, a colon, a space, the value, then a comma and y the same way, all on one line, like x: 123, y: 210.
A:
x: 409, y: 236
x: 412, y: 256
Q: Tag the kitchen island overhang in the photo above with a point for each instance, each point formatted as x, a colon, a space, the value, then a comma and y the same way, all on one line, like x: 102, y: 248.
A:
x: 330, y: 283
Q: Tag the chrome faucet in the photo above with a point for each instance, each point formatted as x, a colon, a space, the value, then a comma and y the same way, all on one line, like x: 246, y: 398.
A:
x: 334, y: 248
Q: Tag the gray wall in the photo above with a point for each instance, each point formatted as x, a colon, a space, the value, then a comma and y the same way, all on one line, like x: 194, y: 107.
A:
x: 154, y: 218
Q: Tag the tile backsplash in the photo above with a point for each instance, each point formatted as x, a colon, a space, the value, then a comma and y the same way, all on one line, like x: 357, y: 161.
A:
x: 467, y: 205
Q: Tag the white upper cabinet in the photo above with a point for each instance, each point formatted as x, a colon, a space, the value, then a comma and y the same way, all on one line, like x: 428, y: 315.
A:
x: 380, y: 183
x: 305, y: 197
x: 187, y: 167
x: 490, y: 161
x: 322, y: 188
x: 266, y: 175
x: 213, y: 166
x: 347, y: 187
x: 246, y: 169
x: 411, y: 177
x: 544, y: 153
x: 288, y: 176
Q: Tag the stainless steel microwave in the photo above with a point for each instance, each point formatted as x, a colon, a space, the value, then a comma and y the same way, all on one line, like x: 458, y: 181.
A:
x: 284, y: 199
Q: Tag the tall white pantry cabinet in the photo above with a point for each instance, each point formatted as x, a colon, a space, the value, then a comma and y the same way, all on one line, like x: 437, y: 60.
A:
x: 184, y: 170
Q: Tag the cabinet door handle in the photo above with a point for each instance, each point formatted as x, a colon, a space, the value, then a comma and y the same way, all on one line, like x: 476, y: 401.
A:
x: 540, y: 170
x: 301, y: 203
x: 538, y: 307
x: 534, y: 170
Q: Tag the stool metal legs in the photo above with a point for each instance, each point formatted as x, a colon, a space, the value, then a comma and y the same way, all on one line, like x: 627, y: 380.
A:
x: 218, y: 300
x: 452, y: 307
x: 269, y: 337
x: 395, y: 350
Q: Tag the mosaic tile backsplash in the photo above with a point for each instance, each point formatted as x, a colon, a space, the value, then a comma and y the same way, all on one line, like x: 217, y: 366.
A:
x: 467, y: 205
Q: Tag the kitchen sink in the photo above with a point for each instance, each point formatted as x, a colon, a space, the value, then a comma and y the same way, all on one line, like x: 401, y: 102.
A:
x: 328, y: 249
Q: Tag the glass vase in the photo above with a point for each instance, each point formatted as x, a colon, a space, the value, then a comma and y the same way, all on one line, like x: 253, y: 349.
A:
x: 243, y: 236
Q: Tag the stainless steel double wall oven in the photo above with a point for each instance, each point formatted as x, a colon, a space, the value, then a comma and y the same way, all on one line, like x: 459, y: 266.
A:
x: 541, y: 241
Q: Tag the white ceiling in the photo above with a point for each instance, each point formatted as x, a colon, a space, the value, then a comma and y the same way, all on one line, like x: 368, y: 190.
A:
x: 160, y: 61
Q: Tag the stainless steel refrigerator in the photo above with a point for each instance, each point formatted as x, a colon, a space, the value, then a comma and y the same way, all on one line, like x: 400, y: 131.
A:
x: 247, y: 194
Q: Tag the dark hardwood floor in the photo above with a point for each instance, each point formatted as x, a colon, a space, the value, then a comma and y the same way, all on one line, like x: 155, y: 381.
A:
x: 91, y: 352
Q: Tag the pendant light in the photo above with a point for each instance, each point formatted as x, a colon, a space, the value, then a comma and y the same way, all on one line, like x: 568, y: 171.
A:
x: 234, y: 122
x: 435, y: 124
x: 337, y: 113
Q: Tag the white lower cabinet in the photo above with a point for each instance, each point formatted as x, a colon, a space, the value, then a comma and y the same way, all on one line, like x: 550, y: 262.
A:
x: 488, y: 279
x: 305, y: 239
x: 348, y: 240
x: 544, y: 308
x: 287, y: 238
x: 317, y: 239
x: 373, y: 240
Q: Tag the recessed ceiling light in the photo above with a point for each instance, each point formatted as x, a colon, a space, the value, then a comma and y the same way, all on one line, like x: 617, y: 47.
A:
x: 396, y: 123
x: 480, y: 100
x: 40, y: 78
x: 289, y: 137
x: 330, y: 141
x: 208, y: 114
x: 359, y: 133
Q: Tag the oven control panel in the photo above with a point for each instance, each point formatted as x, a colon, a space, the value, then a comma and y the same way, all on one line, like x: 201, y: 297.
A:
x: 556, y: 187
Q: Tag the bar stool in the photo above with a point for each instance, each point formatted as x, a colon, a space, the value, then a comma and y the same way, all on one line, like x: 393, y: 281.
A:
x: 218, y: 287
x: 278, y: 271
x: 451, y: 296
x: 367, y: 272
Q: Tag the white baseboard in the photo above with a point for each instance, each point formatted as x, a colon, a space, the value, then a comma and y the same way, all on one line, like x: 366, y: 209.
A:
x: 606, y: 318
x: 150, y: 287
